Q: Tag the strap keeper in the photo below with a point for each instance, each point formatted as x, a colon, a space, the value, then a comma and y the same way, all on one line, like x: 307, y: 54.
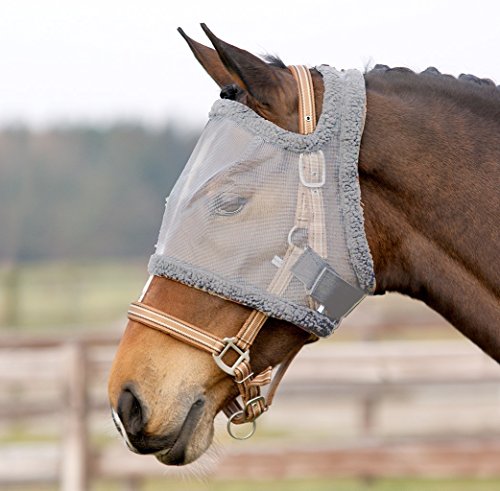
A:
x: 248, y: 377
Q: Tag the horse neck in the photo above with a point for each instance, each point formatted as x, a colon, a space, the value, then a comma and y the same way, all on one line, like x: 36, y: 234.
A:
x: 429, y: 184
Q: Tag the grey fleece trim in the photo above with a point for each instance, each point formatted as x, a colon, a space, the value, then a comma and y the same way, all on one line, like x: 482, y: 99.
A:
x: 352, y: 109
x: 254, y: 298
x: 343, y: 114
x: 295, y: 142
x: 343, y: 118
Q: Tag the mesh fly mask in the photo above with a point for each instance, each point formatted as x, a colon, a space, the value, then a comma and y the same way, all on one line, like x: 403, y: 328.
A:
x: 272, y: 220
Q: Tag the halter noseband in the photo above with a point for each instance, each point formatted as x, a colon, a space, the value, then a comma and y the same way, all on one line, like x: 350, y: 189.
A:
x: 249, y: 384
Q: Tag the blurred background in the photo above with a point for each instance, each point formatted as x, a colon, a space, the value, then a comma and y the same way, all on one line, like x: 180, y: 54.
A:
x: 101, y: 103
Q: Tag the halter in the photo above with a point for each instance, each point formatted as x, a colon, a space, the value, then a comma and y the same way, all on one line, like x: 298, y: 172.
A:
x: 312, y: 174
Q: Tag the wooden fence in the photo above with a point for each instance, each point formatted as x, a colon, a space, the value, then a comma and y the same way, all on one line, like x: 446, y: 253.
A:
x: 69, y: 375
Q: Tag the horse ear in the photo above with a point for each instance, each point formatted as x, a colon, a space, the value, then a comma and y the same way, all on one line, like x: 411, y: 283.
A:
x: 249, y: 72
x: 209, y: 60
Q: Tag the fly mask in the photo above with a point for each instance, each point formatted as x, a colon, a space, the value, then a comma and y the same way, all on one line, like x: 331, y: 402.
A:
x: 270, y: 219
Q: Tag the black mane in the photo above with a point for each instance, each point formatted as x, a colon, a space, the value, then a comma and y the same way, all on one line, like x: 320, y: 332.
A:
x: 277, y: 62
x: 434, y: 72
x: 467, y: 93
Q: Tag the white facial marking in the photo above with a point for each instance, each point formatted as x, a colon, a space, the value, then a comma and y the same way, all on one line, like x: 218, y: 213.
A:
x: 145, y: 289
x: 122, y: 431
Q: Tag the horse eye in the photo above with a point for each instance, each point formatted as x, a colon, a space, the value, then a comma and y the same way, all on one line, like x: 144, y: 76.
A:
x: 229, y: 204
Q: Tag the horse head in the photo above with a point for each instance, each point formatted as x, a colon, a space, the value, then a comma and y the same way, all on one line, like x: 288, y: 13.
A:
x: 165, y: 393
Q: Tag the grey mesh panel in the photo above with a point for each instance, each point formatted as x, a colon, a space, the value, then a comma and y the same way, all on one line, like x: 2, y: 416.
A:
x: 231, y: 211
x: 202, y: 225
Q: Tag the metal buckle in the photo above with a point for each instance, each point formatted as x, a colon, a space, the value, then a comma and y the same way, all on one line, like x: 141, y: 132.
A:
x: 255, y: 400
x: 320, y: 180
x: 242, y: 356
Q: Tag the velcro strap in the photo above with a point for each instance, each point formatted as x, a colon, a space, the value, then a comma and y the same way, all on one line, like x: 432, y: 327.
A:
x: 324, y: 285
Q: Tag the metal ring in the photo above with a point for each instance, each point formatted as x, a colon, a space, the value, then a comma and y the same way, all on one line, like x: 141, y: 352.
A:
x: 230, y: 422
x: 290, y: 236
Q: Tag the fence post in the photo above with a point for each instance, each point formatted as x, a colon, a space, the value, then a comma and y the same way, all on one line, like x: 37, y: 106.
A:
x: 74, y: 464
x: 369, y: 408
x: 12, y: 286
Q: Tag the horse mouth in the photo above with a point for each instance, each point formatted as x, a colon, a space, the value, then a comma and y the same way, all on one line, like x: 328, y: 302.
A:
x: 177, y: 453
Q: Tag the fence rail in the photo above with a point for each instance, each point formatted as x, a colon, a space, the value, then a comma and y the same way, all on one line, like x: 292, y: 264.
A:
x: 71, y: 374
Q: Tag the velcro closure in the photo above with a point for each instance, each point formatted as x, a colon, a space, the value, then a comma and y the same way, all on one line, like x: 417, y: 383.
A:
x: 325, y: 286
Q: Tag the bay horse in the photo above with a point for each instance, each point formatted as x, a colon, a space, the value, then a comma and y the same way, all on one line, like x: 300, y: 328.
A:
x: 428, y: 173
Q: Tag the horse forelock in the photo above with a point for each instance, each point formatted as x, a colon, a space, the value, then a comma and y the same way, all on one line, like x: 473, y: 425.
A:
x: 273, y: 60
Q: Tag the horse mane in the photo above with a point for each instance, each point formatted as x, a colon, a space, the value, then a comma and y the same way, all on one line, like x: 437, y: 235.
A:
x: 276, y: 61
x: 434, y: 72
x: 480, y: 96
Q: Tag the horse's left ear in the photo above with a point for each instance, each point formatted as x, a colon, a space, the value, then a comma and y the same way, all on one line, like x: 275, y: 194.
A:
x: 257, y: 77
x: 209, y: 60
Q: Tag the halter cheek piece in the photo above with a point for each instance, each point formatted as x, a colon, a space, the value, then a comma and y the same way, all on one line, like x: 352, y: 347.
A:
x: 312, y: 173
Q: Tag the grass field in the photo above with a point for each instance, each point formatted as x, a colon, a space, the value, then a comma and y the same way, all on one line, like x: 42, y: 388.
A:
x: 48, y: 295
x: 300, y: 485
x: 82, y: 295
x: 336, y: 485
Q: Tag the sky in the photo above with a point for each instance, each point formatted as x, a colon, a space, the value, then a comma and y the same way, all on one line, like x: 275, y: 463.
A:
x: 98, y: 61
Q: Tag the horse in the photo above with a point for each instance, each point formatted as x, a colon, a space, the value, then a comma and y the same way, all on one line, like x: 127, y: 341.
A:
x: 428, y: 174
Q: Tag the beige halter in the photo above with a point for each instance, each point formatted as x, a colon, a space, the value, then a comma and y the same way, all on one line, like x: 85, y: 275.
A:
x: 249, y: 384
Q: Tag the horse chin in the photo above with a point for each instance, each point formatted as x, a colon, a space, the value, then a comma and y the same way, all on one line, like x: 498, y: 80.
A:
x: 183, y: 453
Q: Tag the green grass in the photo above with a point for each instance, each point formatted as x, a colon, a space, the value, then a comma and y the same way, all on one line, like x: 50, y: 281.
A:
x: 56, y: 295
x: 42, y: 295
x: 297, y: 485
x: 318, y: 485
x: 19, y: 433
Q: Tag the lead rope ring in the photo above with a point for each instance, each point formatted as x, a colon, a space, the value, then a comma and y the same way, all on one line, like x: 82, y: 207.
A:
x: 230, y: 424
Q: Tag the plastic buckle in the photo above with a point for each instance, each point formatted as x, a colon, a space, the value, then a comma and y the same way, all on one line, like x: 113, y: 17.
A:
x: 242, y: 356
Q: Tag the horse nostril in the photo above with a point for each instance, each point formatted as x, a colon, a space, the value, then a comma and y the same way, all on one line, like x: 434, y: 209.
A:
x: 131, y: 412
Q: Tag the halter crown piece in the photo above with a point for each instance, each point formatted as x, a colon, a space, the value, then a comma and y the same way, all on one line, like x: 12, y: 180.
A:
x: 300, y: 284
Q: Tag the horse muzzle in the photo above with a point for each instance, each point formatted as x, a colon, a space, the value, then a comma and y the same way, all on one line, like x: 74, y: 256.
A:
x: 171, y: 447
